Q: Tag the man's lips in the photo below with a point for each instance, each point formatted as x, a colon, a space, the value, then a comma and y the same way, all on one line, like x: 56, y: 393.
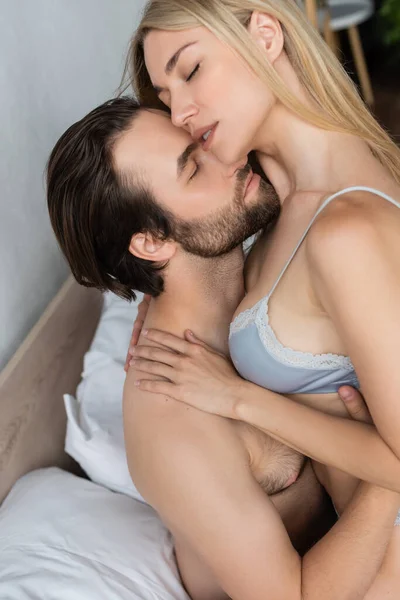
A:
x: 251, y: 184
x: 248, y: 181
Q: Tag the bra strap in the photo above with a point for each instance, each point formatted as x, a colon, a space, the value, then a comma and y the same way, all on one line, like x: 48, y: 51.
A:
x: 319, y: 211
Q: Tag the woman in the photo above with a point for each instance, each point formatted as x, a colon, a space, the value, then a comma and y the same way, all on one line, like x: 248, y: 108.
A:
x: 254, y: 75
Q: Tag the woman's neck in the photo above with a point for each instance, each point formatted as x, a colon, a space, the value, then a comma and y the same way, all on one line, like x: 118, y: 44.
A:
x: 300, y: 157
x: 297, y: 156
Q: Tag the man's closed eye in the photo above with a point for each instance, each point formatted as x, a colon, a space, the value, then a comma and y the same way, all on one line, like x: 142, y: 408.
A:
x: 197, y: 169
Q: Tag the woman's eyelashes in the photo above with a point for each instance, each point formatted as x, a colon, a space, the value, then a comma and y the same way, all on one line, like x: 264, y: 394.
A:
x: 193, y: 73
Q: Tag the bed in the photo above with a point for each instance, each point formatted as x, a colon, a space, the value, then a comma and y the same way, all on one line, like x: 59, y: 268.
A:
x: 67, y: 531
x: 47, y: 364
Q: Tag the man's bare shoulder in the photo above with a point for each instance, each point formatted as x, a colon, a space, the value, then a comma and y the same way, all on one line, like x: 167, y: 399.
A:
x: 164, y: 435
x: 158, y: 411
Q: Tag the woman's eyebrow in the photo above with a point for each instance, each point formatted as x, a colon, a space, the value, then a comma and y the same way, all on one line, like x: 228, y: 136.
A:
x: 171, y: 64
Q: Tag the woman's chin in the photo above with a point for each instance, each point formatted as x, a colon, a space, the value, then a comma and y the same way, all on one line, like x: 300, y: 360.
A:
x: 228, y: 154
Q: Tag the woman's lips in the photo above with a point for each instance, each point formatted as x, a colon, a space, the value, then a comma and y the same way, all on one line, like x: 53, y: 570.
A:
x: 207, y: 143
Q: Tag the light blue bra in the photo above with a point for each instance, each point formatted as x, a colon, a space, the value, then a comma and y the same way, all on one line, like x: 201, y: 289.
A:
x: 259, y: 356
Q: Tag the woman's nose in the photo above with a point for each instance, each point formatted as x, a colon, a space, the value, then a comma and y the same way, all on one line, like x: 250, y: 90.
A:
x: 182, y: 112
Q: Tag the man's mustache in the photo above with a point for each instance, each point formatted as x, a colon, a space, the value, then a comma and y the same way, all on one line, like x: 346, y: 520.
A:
x: 241, y: 178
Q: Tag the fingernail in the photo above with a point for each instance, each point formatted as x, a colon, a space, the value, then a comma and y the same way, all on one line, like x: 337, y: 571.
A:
x: 145, y: 331
x: 132, y: 362
x: 137, y: 383
x: 345, y: 394
x: 190, y: 333
x: 132, y: 350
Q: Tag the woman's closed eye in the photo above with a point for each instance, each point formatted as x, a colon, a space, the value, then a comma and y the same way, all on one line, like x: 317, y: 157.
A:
x: 193, y: 73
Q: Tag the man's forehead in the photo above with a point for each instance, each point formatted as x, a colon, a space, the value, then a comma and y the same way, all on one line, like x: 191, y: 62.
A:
x: 152, y: 135
x: 154, y: 120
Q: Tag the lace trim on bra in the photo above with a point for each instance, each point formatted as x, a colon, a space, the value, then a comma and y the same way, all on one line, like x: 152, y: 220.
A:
x: 258, y: 314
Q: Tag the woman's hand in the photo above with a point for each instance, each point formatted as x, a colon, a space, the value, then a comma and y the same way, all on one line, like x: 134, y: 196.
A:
x: 355, y: 404
x: 193, y: 372
x: 137, y: 327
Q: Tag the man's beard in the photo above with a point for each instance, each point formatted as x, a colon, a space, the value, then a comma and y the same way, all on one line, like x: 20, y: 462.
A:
x: 229, y: 227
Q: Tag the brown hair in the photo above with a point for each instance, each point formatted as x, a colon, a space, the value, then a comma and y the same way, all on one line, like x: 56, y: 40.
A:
x: 94, y: 210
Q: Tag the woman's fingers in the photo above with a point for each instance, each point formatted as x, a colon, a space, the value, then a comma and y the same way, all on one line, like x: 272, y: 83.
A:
x: 190, y: 336
x: 355, y: 404
x: 168, y: 340
x: 137, y: 328
x: 155, y: 368
x: 160, y: 355
x: 143, y: 307
x: 158, y: 387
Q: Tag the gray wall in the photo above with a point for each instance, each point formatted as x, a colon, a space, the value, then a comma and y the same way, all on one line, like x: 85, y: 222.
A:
x: 58, y: 60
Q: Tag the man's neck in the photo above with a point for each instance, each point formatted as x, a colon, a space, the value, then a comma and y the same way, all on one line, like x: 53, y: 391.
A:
x: 201, y: 295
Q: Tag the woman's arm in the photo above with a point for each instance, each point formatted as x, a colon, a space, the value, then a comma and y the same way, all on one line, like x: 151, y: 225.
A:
x: 193, y: 469
x: 205, y: 379
x: 355, y: 267
x: 143, y: 307
x: 354, y: 259
x: 356, y: 448
x: 354, y: 263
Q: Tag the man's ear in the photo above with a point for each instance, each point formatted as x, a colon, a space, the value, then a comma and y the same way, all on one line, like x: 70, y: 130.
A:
x: 267, y: 33
x: 150, y: 247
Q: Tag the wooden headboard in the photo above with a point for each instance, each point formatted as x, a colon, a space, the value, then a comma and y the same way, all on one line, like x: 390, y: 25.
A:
x: 47, y: 365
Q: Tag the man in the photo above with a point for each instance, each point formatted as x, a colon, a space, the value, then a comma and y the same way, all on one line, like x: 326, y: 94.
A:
x: 136, y: 205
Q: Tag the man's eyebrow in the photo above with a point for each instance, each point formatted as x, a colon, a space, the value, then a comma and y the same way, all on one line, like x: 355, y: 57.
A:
x: 183, y: 159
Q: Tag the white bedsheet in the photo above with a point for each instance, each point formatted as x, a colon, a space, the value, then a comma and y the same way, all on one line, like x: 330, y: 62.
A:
x: 65, y: 538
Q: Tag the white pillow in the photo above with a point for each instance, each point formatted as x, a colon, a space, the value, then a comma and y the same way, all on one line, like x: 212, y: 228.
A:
x: 94, y: 428
x: 63, y: 537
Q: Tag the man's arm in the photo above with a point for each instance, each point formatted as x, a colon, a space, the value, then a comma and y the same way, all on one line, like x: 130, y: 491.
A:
x: 192, y: 468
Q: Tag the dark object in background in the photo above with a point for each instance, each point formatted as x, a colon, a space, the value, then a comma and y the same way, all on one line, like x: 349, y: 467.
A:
x: 382, y: 36
x: 390, y: 14
x: 381, y: 42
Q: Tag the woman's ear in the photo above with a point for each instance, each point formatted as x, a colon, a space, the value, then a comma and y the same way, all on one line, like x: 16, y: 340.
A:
x: 149, y: 247
x: 267, y: 33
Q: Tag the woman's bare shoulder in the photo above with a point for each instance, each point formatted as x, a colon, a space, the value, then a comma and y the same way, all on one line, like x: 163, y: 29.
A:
x: 356, y: 219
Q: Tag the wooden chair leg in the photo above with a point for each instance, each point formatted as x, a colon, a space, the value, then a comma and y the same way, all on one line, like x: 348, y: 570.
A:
x: 330, y: 36
x: 311, y: 11
x: 361, y: 65
x: 336, y: 41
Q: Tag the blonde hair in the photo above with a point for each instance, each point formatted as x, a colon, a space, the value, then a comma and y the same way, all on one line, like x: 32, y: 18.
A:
x: 337, y: 103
